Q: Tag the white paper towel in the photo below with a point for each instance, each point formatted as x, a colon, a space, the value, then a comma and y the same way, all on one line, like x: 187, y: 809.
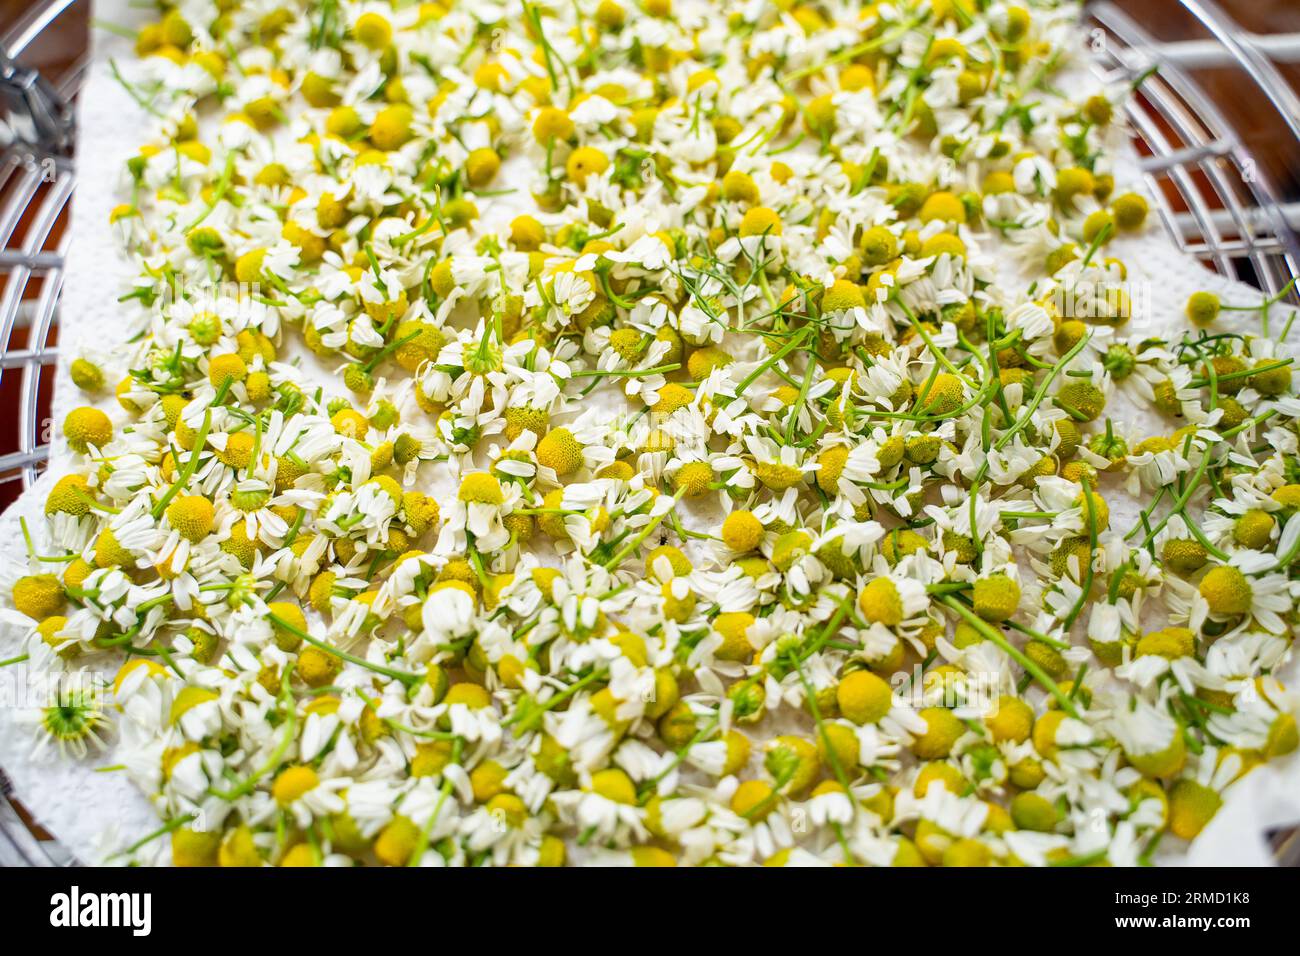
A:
x: 79, y: 803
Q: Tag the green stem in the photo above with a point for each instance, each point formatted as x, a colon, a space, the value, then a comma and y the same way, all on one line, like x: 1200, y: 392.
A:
x: 635, y: 543
x: 1016, y: 654
x: 405, y: 677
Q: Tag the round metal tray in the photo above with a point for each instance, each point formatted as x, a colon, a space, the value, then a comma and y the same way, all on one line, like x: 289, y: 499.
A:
x: 1212, y: 198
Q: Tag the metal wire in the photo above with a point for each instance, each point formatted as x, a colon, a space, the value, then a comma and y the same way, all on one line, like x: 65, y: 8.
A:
x: 34, y: 192
x: 37, y: 17
x: 1186, y: 134
x: 1227, y: 214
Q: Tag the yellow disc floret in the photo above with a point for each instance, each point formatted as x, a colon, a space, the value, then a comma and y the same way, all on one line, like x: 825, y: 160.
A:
x: 843, y: 295
x: 1271, y: 378
x: 195, y: 847
x: 1184, y: 555
x: 1191, y: 806
x: 397, y: 841
x: 391, y: 127
x: 693, y: 479
x: 561, y: 451
x: 753, y: 799
x: 1031, y: 811
x: 739, y: 187
x: 942, y: 730
x: 942, y: 206
x: 585, y: 161
x: 1012, y: 720
x: 87, y: 426
x: 38, y: 596
x: 1253, y: 528
x: 879, y: 246
x: 881, y: 603
x: 552, y: 124
x: 996, y: 597
x: 863, y: 697
x: 482, y: 488
x: 1227, y: 591
x: 1202, y: 308
x: 945, y: 395
x: 481, y: 166
x: 759, y: 221
x: 373, y: 31
x: 292, y: 782
x: 1130, y: 211
x: 614, y: 784
x: 191, y: 516
x: 70, y: 495
x: 318, y: 667
x: 733, y: 626
x: 226, y: 370
x: 741, y: 531
x: 86, y: 375
x: 1163, y: 763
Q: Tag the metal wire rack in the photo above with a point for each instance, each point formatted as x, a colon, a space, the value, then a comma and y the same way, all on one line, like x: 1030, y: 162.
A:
x: 36, y: 181
x: 1211, y: 197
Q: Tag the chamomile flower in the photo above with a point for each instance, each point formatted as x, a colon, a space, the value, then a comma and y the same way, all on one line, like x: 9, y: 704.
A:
x: 73, y: 721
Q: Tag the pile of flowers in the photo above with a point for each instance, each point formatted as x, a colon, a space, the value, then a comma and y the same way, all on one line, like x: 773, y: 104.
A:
x: 675, y: 431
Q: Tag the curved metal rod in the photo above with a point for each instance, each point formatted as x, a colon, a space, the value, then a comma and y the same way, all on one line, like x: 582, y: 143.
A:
x: 1200, y: 54
x: 1189, y: 126
x: 38, y: 16
x: 1258, y: 66
x: 17, y: 202
x: 1139, y: 42
x: 30, y: 424
x: 37, y: 232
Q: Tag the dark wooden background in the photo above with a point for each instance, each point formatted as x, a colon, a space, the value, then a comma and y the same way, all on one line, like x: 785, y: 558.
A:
x: 1262, y: 130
